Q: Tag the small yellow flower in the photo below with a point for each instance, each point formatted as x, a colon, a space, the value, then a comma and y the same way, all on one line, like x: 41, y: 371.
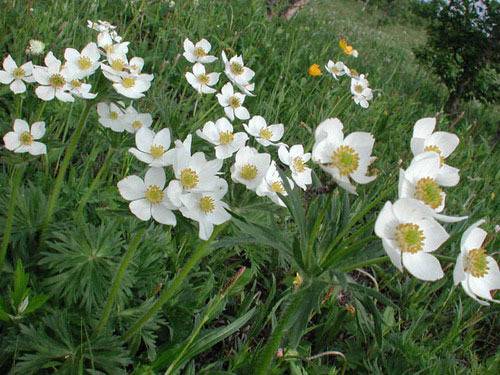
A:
x: 347, y: 48
x: 314, y: 70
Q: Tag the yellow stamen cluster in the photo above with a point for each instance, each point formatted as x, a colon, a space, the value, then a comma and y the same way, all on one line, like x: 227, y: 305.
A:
x: 84, y: 63
x: 26, y: 138
x: 236, y: 68
x: 136, y: 124
x: 437, y: 150
x: 226, y: 137
x: 199, y: 52
x: 113, y: 115
x: 265, y: 133
x: 189, y: 178
x: 203, y: 79
x: 118, y: 65
x: 248, y: 172
x: 128, y: 82
x: 298, y: 164
x: 157, y: 151
x: 277, y: 187
x: 76, y: 83
x: 410, y: 238
x: 428, y: 191
x: 345, y: 159
x: 57, y: 81
x: 358, y: 88
x: 18, y: 73
x: 234, y: 102
x: 476, y: 263
x: 154, y: 194
x: 207, y: 204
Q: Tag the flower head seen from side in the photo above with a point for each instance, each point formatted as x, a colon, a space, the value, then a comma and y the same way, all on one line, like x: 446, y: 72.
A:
x: 81, y: 89
x: 83, y: 63
x: 232, y: 103
x: 238, y: 73
x: 131, y: 85
x: 24, y: 139
x: 35, y: 47
x: 272, y: 186
x: 136, y: 120
x: 153, y: 148
x: 314, y: 70
x: 207, y: 208
x: 347, y: 48
x: 361, y: 93
x: 149, y: 197
x: 337, y: 69
x: 199, y: 52
x: 112, y: 116
x: 266, y: 135
x: 343, y: 158
x: 201, y: 80
x: 16, y: 76
x: 409, y: 234
x: 476, y: 271
x: 222, y: 136
x: 296, y: 159
x: 250, y: 167
x: 53, y: 80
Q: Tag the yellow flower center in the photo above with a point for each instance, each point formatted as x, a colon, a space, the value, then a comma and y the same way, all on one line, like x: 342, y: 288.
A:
x: 18, y: 73
x: 248, y: 172
x: 84, y: 63
x: 57, y: 81
x: 203, y: 79
x: 118, y: 65
x: 234, y: 102
x: 189, y: 178
x: 207, y: 204
x: 128, y: 82
x: 410, y: 238
x: 26, y: 138
x: 345, y: 159
x: 156, y: 151
x: 199, y: 52
x: 113, y: 115
x: 154, y: 194
x: 265, y: 133
x: 437, y: 150
x: 226, y: 137
x: 335, y: 70
x: 76, y: 83
x: 277, y: 187
x: 136, y: 124
x: 358, y: 88
x: 428, y: 191
x: 236, y: 68
x: 298, y: 164
x: 476, y: 263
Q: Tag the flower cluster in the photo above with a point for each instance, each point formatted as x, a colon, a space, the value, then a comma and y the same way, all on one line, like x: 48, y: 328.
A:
x: 410, y: 228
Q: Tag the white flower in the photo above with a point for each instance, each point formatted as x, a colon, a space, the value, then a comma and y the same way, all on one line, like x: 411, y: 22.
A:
x: 201, y: 81
x: 337, y: 69
x: 238, y: 73
x: 149, y: 197
x: 409, y: 234
x: 296, y: 159
x: 424, y: 139
x: 265, y: 135
x: 83, y: 63
x: 100, y: 25
x: 198, y: 53
x: 153, y: 148
x: 136, y: 120
x: 206, y: 208
x: 361, y: 93
x: 272, y: 185
x: 112, y: 116
x: 14, y: 75
x: 232, y: 103
x: 222, y: 136
x: 135, y: 65
x: 480, y: 8
x: 118, y: 63
x: 23, y: 139
x: 35, y: 47
x: 131, y: 85
x: 343, y: 158
x: 250, y: 167
x: 477, y: 272
x: 423, y: 179
x: 81, y: 89
x: 53, y: 80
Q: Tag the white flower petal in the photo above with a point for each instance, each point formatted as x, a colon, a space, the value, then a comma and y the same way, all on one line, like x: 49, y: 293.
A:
x: 423, y: 266
x: 155, y: 176
x: 37, y: 148
x: 162, y: 214
x: 141, y: 208
x: 38, y: 129
x: 131, y: 188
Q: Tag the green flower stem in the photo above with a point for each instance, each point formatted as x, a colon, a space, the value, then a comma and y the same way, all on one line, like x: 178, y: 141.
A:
x: 17, y: 176
x: 70, y: 150
x: 95, y: 182
x: 200, y: 252
x: 117, y: 280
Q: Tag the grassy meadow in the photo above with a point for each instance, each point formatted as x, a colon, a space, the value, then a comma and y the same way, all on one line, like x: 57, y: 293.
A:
x: 222, y: 319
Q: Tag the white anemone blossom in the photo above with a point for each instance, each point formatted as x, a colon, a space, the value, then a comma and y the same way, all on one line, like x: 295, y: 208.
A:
x: 272, y: 186
x: 153, y: 148
x: 131, y: 85
x: 250, y: 167
x: 343, y: 158
x: 136, y: 120
x: 149, y: 197
x: 296, y: 159
x: 361, y: 93
x: 201, y: 80
x: 238, y: 73
x: 476, y: 271
x: 112, y: 116
x: 15, y: 76
x: 81, y: 89
x: 199, y: 52
x: 53, y: 80
x: 266, y: 135
x: 232, y: 103
x: 337, y: 69
x: 409, y: 234
x: 222, y: 136
x: 24, y: 139
x: 84, y: 63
